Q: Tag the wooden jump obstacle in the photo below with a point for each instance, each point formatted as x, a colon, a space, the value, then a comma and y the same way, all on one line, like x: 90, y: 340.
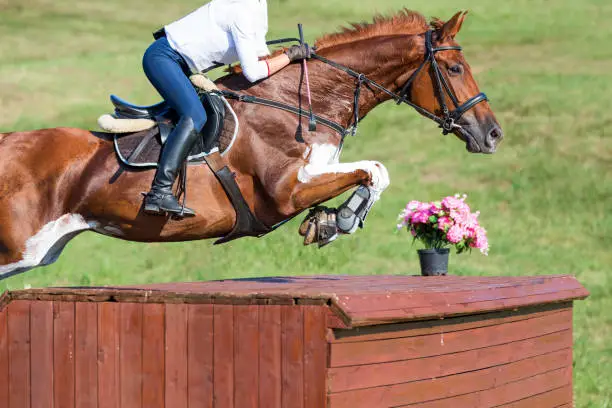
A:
x: 326, y: 341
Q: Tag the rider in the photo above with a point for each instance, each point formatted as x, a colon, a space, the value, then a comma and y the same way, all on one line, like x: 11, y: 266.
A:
x: 222, y: 31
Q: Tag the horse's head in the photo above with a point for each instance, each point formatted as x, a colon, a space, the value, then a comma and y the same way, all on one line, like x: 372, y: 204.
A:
x: 444, y: 85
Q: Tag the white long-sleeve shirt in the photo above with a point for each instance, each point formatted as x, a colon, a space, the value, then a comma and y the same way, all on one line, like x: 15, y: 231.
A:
x: 224, y: 31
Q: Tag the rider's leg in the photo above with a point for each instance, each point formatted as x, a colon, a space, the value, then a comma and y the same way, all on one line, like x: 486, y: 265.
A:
x: 168, y: 73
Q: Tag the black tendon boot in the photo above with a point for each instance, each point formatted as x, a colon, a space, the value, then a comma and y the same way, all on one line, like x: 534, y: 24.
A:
x: 161, y: 199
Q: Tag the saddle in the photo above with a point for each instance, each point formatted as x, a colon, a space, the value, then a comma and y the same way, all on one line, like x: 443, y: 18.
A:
x: 142, y: 149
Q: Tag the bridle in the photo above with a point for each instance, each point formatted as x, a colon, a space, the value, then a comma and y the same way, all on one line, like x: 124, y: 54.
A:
x: 448, y: 121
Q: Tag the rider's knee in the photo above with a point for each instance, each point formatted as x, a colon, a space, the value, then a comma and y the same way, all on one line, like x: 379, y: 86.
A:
x: 199, y: 120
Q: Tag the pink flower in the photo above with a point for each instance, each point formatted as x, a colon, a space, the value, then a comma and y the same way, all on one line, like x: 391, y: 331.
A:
x: 420, y: 217
x: 454, y: 234
x: 413, y: 205
x: 481, y: 242
x: 456, y: 202
x: 444, y: 223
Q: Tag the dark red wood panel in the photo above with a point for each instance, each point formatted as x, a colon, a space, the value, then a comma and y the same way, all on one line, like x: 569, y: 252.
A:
x: 362, y: 300
x: 224, y: 356
x: 63, y: 354
x: 347, y: 354
x: 109, y: 380
x: 270, y: 357
x: 315, y: 356
x: 19, y: 354
x: 375, y: 375
x: 293, y: 356
x: 4, y: 359
x: 530, y: 387
x: 451, y: 324
x: 246, y: 356
x: 390, y: 316
x: 549, y: 399
x: 130, y: 355
x: 176, y: 355
x: 153, y: 356
x: 456, y: 297
x: 454, y: 385
x: 86, y: 355
x: 200, y: 356
x: 41, y: 323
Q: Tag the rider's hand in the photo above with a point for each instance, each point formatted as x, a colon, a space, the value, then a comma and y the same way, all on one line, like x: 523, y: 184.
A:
x: 299, y: 52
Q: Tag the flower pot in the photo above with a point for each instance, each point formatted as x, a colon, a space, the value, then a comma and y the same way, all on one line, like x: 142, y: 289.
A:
x: 434, y: 262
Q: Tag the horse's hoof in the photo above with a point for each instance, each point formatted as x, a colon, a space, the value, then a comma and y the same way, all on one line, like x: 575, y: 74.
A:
x: 304, y: 227
x: 310, y: 236
x: 328, y: 240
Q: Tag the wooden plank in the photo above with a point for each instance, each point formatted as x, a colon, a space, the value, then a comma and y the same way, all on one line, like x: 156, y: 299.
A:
x: 86, y: 355
x: 109, y: 380
x: 223, y: 356
x: 283, y: 290
x: 315, y: 356
x: 456, y: 385
x: 380, y: 351
x: 453, y: 298
x: 375, y: 375
x: 19, y: 353
x: 4, y: 359
x: 63, y: 354
x: 270, y: 357
x: 548, y: 399
x: 292, y: 356
x: 451, y: 324
x: 41, y: 321
x: 153, y: 356
x: 556, y: 398
x: 390, y: 316
x: 246, y: 356
x: 521, y: 390
x: 200, y: 356
x: 130, y: 354
x: 176, y: 355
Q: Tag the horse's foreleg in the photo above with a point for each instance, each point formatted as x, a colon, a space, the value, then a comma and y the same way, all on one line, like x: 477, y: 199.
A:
x: 322, y: 178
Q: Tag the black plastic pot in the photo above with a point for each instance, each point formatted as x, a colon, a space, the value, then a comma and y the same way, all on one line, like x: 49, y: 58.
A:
x: 434, y: 262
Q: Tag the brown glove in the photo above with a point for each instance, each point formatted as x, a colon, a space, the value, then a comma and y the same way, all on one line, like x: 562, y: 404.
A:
x: 298, y: 52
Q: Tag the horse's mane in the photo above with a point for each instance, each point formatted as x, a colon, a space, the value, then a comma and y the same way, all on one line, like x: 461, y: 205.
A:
x: 406, y: 22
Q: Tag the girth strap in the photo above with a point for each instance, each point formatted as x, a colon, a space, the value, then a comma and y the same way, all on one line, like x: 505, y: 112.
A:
x: 247, y: 224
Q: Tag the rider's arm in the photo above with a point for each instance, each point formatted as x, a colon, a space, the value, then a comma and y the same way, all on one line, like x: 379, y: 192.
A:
x: 245, y: 41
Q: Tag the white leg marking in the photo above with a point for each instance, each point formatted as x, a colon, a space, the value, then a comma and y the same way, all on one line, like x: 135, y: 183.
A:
x: 46, y: 245
x: 323, y: 160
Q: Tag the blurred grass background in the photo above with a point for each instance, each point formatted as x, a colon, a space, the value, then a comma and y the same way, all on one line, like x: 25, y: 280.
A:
x: 544, y: 197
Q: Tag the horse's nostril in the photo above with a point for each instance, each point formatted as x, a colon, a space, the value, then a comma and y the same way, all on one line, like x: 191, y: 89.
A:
x: 496, y: 133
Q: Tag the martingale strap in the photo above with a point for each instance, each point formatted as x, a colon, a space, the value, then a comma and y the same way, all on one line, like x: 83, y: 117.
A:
x: 282, y: 106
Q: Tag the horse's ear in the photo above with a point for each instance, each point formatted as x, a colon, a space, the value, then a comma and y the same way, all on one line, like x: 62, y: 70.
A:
x: 450, y: 29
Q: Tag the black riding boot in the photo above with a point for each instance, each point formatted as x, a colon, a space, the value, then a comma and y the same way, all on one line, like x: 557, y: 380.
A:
x: 161, y: 199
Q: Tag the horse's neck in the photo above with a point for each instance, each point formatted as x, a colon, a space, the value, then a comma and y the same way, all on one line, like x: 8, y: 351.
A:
x: 381, y: 59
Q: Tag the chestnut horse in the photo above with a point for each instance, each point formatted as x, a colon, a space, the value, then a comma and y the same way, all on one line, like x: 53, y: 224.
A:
x: 57, y: 183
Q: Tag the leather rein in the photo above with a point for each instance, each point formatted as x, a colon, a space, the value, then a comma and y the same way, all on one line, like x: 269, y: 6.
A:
x: 448, y: 122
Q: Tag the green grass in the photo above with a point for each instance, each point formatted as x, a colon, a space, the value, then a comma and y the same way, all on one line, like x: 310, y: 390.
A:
x: 544, y: 197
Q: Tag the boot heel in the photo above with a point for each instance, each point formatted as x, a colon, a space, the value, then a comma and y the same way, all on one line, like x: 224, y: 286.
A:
x: 153, y: 210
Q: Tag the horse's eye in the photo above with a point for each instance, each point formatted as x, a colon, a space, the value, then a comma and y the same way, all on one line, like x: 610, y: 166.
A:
x: 455, y: 69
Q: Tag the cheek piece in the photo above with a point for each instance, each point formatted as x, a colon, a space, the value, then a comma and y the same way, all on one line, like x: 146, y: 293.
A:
x: 449, y: 118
